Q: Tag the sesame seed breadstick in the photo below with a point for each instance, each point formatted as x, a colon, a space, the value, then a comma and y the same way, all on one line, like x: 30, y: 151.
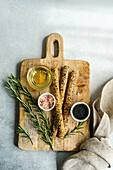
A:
x: 58, y: 117
x: 63, y: 82
x: 68, y: 100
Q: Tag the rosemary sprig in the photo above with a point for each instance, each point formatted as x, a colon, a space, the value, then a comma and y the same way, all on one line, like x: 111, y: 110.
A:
x: 75, y: 130
x: 21, y: 87
x: 31, y: 108
x: 26, y: 134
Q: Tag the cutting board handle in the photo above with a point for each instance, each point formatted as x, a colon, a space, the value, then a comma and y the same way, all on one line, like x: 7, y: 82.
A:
x: 51, y: 39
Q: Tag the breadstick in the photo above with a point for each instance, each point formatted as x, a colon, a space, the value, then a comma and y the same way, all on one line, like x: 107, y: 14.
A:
x: 68, y: 100
x: 63, y: 82
x: 58, y: 117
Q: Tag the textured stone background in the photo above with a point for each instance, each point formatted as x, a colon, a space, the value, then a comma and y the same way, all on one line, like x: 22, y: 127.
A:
x: 87, y: 29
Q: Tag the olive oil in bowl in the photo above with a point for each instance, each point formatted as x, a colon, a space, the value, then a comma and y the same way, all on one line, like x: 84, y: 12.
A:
x: 39, y: 77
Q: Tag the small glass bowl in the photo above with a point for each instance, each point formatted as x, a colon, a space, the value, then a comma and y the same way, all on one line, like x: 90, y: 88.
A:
x: 32, y: 72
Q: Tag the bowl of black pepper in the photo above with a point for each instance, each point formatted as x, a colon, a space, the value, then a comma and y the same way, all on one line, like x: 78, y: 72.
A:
x: 80, y: 111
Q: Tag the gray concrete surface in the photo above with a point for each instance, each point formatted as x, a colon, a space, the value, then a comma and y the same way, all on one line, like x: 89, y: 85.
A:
x: 87, y: 29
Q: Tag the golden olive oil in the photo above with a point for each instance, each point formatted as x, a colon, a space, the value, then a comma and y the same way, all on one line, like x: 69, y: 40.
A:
x: 39, y: 77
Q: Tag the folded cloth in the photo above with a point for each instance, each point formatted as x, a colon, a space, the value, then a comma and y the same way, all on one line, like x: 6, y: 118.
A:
x: 96, y: 153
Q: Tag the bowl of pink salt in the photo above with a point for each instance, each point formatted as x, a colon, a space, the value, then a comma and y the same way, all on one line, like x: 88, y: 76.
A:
x: 46, y: 101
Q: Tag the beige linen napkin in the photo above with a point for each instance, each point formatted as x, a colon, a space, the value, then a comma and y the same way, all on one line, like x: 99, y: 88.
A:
x: 96, y: 152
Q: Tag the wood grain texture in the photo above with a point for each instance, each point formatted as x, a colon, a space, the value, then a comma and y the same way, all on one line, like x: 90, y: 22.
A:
x: 81, y: 93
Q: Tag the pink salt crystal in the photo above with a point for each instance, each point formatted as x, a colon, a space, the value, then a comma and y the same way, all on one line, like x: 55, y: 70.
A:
x: 46, y: 101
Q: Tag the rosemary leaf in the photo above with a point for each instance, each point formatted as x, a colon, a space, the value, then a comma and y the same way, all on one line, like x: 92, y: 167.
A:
x: 76, y: 128
x: 79, y: 132
x: 27, y: 135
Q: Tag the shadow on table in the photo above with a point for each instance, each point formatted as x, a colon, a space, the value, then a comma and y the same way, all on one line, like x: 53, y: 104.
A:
x: 17, y: 107
x: 43, y: 55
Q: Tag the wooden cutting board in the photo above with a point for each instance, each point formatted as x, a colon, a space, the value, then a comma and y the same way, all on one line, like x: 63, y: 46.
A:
x: 81, y: 93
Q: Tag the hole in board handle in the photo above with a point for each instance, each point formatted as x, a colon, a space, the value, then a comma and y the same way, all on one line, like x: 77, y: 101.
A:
x: 55, y: 49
